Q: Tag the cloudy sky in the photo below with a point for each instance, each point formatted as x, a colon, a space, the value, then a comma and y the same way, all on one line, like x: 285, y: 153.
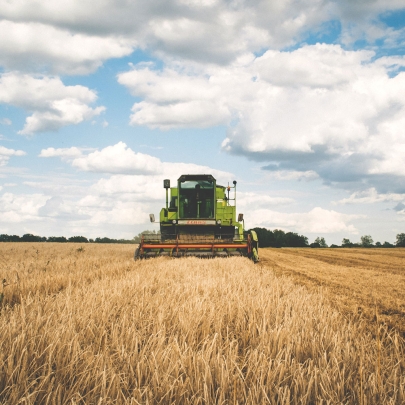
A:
x: 301, y: 101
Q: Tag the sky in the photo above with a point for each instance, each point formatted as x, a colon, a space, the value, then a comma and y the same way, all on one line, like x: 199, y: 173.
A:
x: 301, y: 101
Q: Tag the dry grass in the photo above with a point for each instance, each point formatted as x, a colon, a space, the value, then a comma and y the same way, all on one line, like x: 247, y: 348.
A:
x: 94, y: 327
x: 356, y: 280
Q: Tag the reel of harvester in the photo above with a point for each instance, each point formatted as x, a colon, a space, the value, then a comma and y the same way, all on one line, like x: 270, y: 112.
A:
x: 198, y: 246
x: 200, y: 221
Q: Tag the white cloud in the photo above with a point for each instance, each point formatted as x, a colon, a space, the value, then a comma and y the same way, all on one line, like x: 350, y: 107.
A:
x: 71, y: 38
x: 349, y: 115
x: 122, y: 160
x: 134, y: 188
x: 6, y: 153
x: 174, y: 100
x: 61, y: 152
x: 247, y: 200
x: 53, y: 104
x: 371, y: 196
x: 117, y: 159
x: 318, y: 220
x: 339, y: 110
x: 112, y: 211
x: 20, y: 208
x: 287, y: 175
x: 5, y: 121
x: 35, y: 47
x: 214, y: 31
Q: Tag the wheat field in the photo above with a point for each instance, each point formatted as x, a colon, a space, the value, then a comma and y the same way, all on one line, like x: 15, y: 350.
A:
x: 85, y: 324
x: 357, y: 280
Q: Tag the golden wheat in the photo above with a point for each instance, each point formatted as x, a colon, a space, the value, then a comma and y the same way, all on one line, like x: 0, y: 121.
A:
x: 357, y: 280
x: 93, y: 327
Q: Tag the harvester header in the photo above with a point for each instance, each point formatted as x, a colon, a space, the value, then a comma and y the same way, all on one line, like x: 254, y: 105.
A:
x: 199, y: 220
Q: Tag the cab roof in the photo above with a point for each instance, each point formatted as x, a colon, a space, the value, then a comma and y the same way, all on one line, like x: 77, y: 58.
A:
x: 187, y: 177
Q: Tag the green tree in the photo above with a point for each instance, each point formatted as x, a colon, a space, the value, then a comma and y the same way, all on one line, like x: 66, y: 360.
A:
x: 346, y: 243
x: 321, y: 242
x: 400, y: 240
x: 78, y: 239
x: 366, y: 241
x: 60, y: 239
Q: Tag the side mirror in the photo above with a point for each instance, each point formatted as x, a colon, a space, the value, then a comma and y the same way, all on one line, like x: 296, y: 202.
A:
x: 240, y: 217
x: 152, y: 217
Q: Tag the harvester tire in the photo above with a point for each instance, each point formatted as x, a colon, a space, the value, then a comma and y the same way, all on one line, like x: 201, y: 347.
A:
x: 136, y: 254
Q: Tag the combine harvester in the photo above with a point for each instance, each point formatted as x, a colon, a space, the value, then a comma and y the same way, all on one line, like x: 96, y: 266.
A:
x: 199, y: 220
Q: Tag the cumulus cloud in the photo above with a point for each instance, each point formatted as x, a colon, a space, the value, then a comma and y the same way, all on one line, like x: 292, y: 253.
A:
x: 342, y: 124
x: 61, y: 152
x: 72, y: 38
x: 289, y: 175
x: 117, y: 159
x: 38, y: 47
x: 174, y: 100
x: 19, y: 208
x: 6, y: 153
x: 247, y: 200
x: 90, y: 212
x: 214, y: 31
x: 371, y: 196
x: 121, y: 159
x: 53, y: 105
x: 318, y: 220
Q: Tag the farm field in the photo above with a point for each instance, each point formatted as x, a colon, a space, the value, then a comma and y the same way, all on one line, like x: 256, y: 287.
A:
x: 357, y: 280
x: 85, y: 324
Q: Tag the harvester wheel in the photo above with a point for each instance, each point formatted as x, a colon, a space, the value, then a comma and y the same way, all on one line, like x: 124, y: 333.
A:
x: 254, y: 243
x: 255, y: 255
x: 136, y: 254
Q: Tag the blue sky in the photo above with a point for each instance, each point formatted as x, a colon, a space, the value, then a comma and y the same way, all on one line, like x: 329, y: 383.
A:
x: 302, y: 102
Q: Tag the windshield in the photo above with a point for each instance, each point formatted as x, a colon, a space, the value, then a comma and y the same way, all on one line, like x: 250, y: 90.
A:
x: 196, y: 198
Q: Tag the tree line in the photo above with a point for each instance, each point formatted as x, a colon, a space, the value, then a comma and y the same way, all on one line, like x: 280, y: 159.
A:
x: 28, y: 237
x: 267, y: 238
x: 279, y: 238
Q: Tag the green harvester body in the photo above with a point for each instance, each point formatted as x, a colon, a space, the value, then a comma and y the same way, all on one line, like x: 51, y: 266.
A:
x: 199, y: 220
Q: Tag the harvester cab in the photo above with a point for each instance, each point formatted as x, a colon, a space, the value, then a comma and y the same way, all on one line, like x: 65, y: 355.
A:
x: 199, y: 220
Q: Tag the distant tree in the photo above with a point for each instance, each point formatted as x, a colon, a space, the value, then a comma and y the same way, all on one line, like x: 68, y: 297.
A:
x: 104, y: 240
x: 346, y: 243
x: 321, y: 242
x: 378, y: 244
x: 60, y: 239
x: 366, y: 241
x: 334, y: 246
x: 29, y: 237
x: 9, y: 238
x: 314, y: 245
x: 91, y: 240
x: 78, y: 239
x: 292, y: 239
x: 279, y: 238
x: 265, y: 236
x: 400, y: 240
x: 387, y: 245
x: 137, y: 238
